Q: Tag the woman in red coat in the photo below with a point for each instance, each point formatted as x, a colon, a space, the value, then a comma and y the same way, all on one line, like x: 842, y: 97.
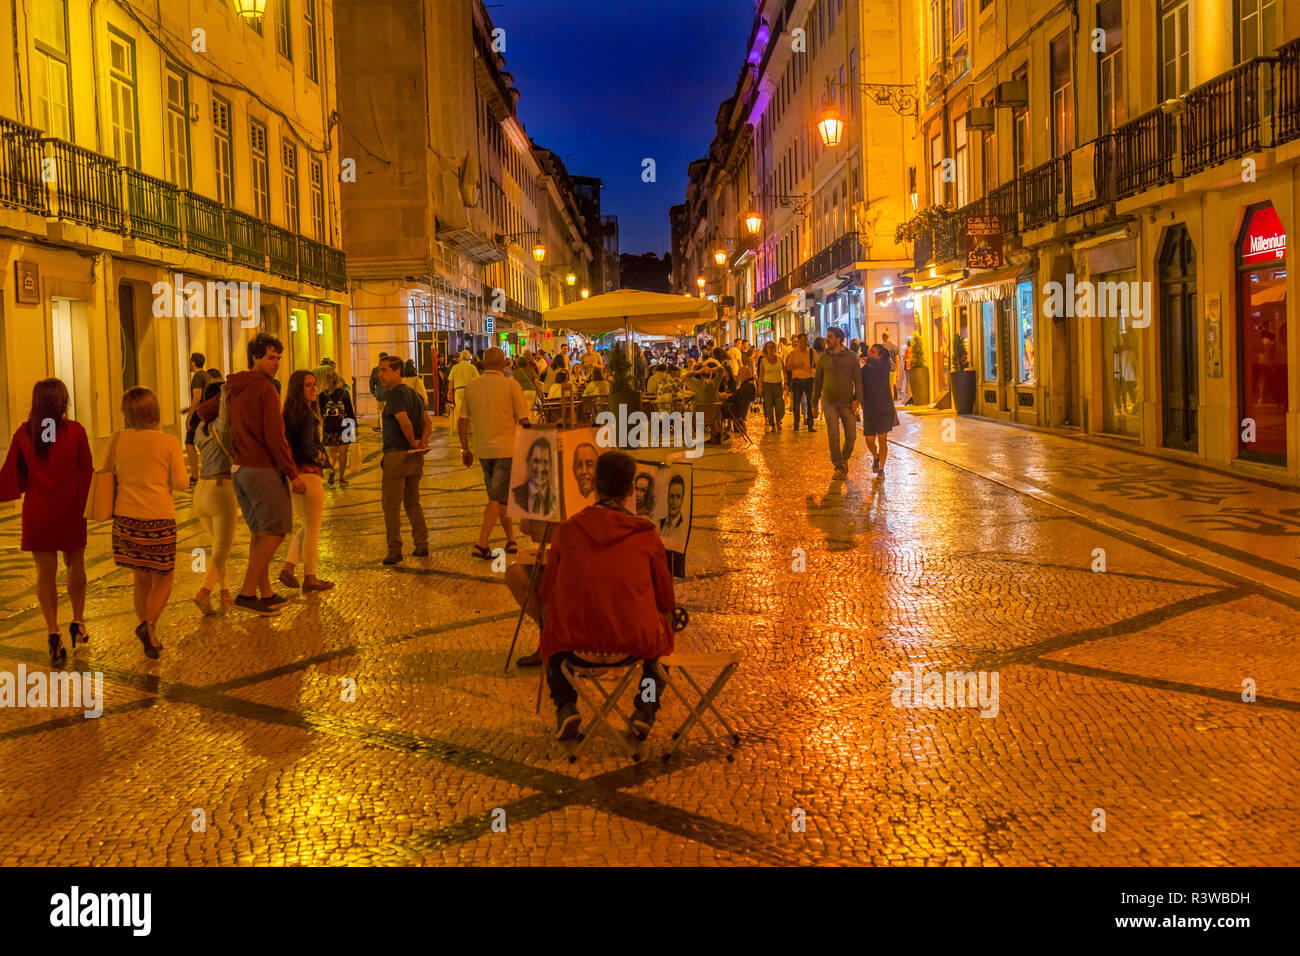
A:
x: 49, y: 464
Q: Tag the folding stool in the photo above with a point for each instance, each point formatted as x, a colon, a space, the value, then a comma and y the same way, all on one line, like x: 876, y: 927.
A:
x: 593, y: 667
x: 704, y: 699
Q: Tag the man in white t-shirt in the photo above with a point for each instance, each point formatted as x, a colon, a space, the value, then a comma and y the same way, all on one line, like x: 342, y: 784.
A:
x: 495, y: 406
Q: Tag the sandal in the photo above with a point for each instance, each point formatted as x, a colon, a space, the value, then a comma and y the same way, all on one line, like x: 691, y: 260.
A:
x: 481, y: 552
x: 58, y: 654
x: 512, y: 547
x: 77, y: 629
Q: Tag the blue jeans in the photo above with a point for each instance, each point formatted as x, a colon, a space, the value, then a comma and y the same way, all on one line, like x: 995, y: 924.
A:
x: 837, y: 414
x: 801, y: 398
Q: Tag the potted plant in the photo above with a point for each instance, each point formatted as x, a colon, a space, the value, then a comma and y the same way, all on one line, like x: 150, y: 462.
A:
x: 963, y: 378
x: 918, y: 376
x: 623, y: 396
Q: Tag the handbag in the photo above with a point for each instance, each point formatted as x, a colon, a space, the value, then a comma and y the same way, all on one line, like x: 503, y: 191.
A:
x: 13, y: 477
x: 103, y: 487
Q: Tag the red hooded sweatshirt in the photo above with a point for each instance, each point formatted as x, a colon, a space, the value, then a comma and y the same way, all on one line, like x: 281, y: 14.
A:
x: 607, y: 586
x: 256, y: 425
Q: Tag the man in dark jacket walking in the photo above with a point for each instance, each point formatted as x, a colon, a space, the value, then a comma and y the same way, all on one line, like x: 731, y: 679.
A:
x: 836, y: 385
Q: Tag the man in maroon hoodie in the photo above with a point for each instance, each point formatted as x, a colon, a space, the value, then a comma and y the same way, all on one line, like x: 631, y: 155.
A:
x: 264, y: 468
x: 606, y: 589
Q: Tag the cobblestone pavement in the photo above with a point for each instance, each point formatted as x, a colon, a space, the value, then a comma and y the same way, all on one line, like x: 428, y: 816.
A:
x: 1119, y: 690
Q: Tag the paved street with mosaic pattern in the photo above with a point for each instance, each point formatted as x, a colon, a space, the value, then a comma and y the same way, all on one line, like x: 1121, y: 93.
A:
x: 1120, y: 690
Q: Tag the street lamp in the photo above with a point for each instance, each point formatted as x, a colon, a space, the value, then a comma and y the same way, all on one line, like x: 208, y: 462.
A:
x: 720, y: 257
x: 753, y: 222
x: 699, y: 281
x: 251, y: 10
x: 585, y: 293
x: 539, y: 251
x: 899, y: 97
x: 570, y: 279
x: 831, y: 125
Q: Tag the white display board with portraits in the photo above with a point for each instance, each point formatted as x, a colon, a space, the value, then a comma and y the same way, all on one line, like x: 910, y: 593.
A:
x: 553, y: 477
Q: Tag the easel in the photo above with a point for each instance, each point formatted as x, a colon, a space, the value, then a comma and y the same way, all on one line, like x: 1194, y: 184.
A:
x: 532, y: 586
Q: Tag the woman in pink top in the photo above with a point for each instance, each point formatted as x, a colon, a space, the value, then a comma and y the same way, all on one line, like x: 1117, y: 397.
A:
x: 149, y: 466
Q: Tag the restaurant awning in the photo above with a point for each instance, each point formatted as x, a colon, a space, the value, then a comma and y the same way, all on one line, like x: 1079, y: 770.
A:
x: 991, y: 285
x: 649, y: 313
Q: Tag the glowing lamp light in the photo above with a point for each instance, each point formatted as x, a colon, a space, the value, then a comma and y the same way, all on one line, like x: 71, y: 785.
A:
x: 539, y: 251
x: 831, y: 126
x: 250, y: 9
x: 753, y: 222
x: 570, y: 279
x: 585, y: 293
x: 699, y: 281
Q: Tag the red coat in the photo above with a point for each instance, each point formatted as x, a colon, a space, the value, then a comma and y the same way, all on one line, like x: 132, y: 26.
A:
x: 57, y: 485
x: 607, y: 586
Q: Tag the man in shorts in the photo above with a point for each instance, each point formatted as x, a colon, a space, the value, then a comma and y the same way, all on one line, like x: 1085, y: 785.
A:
x: 493, y: 407
x: 263, y: 469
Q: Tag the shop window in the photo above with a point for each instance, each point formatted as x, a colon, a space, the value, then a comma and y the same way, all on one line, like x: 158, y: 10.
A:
x: 989, y: 338
x: 1025, y: 344
x: 1262, y: 356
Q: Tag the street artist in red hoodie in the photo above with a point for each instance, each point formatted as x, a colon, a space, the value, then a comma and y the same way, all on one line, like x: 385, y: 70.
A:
x: 607, y: 589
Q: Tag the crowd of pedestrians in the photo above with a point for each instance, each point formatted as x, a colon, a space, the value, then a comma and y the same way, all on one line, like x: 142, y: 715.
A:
x: 249, y: 453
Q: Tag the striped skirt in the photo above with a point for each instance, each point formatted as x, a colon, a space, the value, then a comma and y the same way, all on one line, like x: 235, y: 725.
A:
x: 145, y: 543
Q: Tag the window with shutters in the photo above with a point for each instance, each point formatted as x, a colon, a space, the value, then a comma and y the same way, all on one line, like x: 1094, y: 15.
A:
x: 177, y: 128
x: 261, y: 170
x: 122, y: 118
x: 316, y: 179
x: 283, y: 42
x: 289, y: 158
x: 52, y: 69
x: 222, y: 150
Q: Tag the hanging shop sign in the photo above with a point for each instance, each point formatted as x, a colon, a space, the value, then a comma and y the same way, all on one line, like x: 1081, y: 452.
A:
x: 491, y: 323
x: 1265, y: 240
x: 983, y: 242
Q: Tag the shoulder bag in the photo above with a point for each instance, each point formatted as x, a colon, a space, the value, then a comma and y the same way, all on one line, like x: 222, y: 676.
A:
x: 103, y: 487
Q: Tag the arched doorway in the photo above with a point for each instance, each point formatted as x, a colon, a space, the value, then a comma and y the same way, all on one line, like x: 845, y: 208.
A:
x: 1179, y: 368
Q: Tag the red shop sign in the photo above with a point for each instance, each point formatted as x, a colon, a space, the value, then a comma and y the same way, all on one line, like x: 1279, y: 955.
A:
x: 1265, y: 239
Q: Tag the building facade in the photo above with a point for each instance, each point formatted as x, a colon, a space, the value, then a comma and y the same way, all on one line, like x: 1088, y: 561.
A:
x: 449, y: 211
x: 168, y: 185
x: 825, y: 216
x: 1137, y: 162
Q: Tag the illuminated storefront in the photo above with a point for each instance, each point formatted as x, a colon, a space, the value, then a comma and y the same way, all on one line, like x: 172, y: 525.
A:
x: 1262, y: 368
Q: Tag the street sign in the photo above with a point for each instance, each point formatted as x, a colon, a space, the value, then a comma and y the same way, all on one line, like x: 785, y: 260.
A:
x: 984, y: 242
x: 490, y: 324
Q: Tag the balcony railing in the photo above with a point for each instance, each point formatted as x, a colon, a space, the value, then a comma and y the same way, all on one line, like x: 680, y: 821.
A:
x: 1288, y: 92
x: 1105, y: 174
x: 1222, y: 119
x: 155, y: 208
x: 205, y: 227
x: 311, y: 261
x: 923, y: 251
x: 20, y: 167
x: 87, y: 186
x: 1144, y: 151
x: 1039, y: 188
x: 281, y: 251
x: 1002, y: 201
x: 94, y: 190
x: 247, y: 239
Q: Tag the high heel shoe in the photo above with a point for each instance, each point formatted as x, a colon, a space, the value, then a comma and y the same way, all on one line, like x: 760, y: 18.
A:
x: 150, y: 650
x: 58, y: 654
x: 78, y: 630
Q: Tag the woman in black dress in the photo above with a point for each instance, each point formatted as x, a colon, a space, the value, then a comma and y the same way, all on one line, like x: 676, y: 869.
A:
x: 878, y: 414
